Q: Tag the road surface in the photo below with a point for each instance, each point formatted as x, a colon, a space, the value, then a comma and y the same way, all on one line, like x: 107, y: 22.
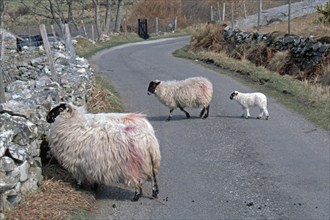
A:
x: 223, y: 167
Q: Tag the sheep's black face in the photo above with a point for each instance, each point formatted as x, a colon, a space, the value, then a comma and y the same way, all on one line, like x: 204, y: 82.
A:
x: 152, y: 87
x: 55, y: 112
x: 233, y: 94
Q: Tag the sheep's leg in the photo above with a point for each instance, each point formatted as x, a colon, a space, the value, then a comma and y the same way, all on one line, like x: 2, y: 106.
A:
x: 170, y: 115
x: 155, y: 189
x: 138, y: 194
x: 187, y: 114
x: 202, y: 112
x: 207, y: 112
x: 95, y: 186
x: 78, y: 185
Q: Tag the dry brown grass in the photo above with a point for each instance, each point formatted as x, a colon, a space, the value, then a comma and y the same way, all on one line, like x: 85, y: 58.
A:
x: 306, y: 26
x: 55, y: 200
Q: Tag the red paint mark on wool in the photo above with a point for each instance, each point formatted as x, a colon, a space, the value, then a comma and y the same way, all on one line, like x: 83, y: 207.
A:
x: 134, y: 163
x: 129, y: 129
x: 203, y: 88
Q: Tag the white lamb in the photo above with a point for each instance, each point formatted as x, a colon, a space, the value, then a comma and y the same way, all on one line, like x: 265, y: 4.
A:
x: 247, y: 100
x: 192, y: 92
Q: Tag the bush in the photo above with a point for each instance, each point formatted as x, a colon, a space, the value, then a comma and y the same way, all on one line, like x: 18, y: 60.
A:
x: 325, y: 11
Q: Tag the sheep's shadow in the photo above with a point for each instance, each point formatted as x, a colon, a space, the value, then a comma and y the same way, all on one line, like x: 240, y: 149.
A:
x: 114, y: 193
x: 174, y: 118
x: 238, y: 117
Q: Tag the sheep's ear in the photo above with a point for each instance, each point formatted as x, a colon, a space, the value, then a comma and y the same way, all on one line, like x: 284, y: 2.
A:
x: 69, y: 108
x: 55, y: 112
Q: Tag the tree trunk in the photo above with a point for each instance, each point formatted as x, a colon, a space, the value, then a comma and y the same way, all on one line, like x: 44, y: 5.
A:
x: 70, y: 14
x: 107, y: 17
x: 97, y: 18
x: 119, y: 15
x: 2, y: 10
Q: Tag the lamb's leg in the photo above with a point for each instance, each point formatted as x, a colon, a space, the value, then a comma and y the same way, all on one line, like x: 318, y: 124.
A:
x: 207, y: 112
x: 247, y: 113
x: 243, y: 111
x: 170, y: 115
x: 266, y: 113
x: 187, y: 114
x: 137, y: 195
x: 261, y: 113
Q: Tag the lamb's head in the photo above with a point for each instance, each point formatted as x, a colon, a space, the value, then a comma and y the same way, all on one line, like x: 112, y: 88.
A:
x: 56, y: 111
x: 233, y: 94
x: 152, y: 86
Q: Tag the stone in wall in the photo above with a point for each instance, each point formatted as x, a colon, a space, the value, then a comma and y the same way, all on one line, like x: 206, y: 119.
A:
x: 30, y: 92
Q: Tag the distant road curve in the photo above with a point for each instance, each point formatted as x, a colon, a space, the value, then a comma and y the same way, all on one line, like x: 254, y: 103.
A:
x: 297, y: 10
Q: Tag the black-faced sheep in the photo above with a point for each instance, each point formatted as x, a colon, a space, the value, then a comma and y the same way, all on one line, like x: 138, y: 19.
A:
x: 247, y: 100
x: 192, y: 92
x: 97, y: 148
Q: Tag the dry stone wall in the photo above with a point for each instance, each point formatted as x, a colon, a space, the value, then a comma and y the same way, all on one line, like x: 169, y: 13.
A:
x: 305, y: 52
x: 30, y: 92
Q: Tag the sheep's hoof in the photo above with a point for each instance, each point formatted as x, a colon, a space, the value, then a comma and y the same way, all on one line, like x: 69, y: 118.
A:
x: 267, y: 117
x: 136, y: 197
x: 155, y: 193
x: 247, y: 117
x: 78, y: 186
x: 95, y: 187
x: 258, y: 117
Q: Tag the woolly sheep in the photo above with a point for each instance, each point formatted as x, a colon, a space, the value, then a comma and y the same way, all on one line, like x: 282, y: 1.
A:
x: 247, y: 100
x: 192, y: 92
x: 96, y: 148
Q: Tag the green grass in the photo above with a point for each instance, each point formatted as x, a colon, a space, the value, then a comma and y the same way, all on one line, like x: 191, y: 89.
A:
x: 86, y: 48
x: 311, y: 101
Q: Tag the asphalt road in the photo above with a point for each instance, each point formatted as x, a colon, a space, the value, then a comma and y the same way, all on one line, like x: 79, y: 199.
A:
x: 222, y: 167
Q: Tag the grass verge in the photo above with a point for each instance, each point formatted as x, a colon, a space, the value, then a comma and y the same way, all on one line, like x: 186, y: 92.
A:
x: 311, y: 101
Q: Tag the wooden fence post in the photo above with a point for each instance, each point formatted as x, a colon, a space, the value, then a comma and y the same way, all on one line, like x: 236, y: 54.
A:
x: 175, y: 23
x: 212, y: 17
x: 68, y: 44
x: 54, y: 34
x: 82, y: 22
x: 92, y: 32
x: 48, y: 51
x: 223, y: 11
x: 2, y: 86
x: 219, y: 13
x: 156, y: 25
x: 232, y: 14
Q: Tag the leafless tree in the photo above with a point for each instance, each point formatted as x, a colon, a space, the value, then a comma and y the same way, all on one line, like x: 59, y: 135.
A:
x: 54, y: 10
x: 119, y: 15
x: 97, y: 18
x: 107, y: 19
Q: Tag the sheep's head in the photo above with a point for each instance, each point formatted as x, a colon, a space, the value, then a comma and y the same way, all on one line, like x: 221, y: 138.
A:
x: 233, y: 94
x: 152, y: 86
x: 52, y: 114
